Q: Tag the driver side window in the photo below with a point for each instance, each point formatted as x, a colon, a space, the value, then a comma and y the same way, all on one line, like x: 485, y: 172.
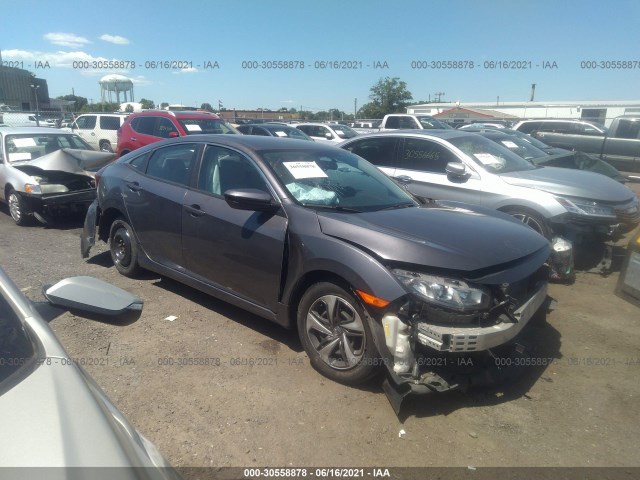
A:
x: 223, y: 169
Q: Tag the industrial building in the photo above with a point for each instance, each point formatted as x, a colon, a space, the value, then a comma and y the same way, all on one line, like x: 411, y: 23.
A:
x: 466, y: 112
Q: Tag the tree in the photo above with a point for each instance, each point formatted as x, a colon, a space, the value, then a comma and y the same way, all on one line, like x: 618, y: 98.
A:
x: 79, y: 101
x: 128, y: 108
x: 388, y: 95
x: 147, y: 104
x: 207, y: 107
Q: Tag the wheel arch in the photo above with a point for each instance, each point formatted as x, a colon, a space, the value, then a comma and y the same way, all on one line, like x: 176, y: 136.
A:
x: 305, y: 282
x: 107, y: 217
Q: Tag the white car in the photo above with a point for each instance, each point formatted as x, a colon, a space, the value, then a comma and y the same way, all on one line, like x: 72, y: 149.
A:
x: 466, y: 167
x: 327, y: 132
x: 99, y: 129
x: 45, y: 171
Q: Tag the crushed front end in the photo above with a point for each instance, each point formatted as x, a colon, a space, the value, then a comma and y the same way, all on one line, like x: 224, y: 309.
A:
x: 448, y: 333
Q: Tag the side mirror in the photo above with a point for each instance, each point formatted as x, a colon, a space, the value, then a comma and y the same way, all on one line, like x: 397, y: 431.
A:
x: 456, y: 169
x: 173, y: 134
x: 91, y: 295
x: 250, y: 199
x: 328, y: 136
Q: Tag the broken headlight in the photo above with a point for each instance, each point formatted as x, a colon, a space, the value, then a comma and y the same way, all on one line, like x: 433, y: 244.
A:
x: 449, y: 293
x: 586, y: 207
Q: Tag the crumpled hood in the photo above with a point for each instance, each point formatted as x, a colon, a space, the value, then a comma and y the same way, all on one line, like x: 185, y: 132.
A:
x: 436, y: 236
x: 570, y: 182
x: 71, y: 160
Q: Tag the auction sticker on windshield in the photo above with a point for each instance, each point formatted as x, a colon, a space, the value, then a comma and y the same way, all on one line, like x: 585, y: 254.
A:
x: 193, y: 127
x: 15, y: 157
x: 24, y: 142
x: 489, y: 160
x: 305, y: 170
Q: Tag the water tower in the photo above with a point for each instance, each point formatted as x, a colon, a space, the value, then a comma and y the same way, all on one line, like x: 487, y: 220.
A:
x: 114, y: 83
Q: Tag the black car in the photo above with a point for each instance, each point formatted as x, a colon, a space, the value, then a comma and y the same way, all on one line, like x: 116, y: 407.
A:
x: 273, y: 130
x: 314, y: 237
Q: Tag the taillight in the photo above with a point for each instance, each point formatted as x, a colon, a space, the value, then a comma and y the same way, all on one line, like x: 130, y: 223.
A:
x: 98, y: 175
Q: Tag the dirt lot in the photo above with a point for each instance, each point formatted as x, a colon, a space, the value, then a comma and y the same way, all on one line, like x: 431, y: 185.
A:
x: 261, y: 404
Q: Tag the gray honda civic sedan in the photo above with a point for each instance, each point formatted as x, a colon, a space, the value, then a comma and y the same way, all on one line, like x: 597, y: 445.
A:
x: 316, y: 238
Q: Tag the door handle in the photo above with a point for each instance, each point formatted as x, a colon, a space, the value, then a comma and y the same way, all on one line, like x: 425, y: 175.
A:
x: 194, y: 210
x: 133, y: 139
x: 134, y: 186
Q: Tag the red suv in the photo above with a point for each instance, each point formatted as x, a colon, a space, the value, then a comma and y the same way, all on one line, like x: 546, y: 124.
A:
x: 150, y: 126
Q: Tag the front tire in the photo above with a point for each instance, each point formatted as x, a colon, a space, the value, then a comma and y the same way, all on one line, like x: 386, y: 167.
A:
x: 123, y: 248
x: 334, y: 332
x: 18, y: 208
x: 531, y: 219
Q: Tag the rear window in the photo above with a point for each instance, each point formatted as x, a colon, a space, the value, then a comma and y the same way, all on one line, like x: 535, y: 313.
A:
x: 195, y: 126
x: 109, y: 123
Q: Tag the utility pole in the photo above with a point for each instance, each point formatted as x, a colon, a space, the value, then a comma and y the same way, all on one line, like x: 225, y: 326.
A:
x: 533, y: 91
x: 355, y: 109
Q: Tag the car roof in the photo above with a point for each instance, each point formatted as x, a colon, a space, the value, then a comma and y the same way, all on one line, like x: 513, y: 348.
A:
x: 431, y: 132
x: 242, y: 142
x: 173, y: 113
x: 33, y: 130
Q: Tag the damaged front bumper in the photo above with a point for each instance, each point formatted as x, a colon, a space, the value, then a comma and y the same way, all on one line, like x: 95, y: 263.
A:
x: 424, y: 357
x: 45, y: 205
x: 473, y: 339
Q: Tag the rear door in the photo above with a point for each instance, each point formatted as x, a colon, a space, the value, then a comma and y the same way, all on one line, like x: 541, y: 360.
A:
x: 85, y: 127
x: 239, y: 251
x: 142, y: 132
x: 424, y: 162
x: 381, y: 151
x: 154, y: 198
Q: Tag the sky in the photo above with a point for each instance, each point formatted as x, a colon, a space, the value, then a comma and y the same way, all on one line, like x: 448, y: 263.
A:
x: 455, y: 50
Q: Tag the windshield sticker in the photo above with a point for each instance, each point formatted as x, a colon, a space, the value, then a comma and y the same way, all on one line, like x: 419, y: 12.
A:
x: 24, y: 142
x: 305, y: 170
x: 280, y: 134
x: 489, y: 160
x: 509, y: 144
x: 15, y: 157
x: 193, y: 128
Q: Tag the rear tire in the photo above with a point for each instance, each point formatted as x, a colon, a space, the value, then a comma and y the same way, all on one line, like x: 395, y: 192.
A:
x: 106, y: 147
x: 123, y: 248
x: 335, y: 334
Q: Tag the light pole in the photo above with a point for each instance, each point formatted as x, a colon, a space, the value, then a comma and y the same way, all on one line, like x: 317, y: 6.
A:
x: 35, y: 92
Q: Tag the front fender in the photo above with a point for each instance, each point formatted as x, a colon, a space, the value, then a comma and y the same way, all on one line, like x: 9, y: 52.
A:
x: 309, y: 254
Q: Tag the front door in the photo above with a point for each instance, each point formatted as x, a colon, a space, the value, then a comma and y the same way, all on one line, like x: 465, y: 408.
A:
x: 239, y: 251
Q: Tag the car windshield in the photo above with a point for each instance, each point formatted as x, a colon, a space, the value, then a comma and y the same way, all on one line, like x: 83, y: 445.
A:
x: 27, y: 146
x: 528, y: 138
x: 489, y: 155
x: 431, y: 123
x: 336, y: 179
x: 195, y: 126
x: 520, y: 147
x: 288, y: 132
x: 344, y: 132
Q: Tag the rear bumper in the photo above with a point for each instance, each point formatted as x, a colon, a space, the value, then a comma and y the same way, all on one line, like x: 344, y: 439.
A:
x: 88, y: 235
